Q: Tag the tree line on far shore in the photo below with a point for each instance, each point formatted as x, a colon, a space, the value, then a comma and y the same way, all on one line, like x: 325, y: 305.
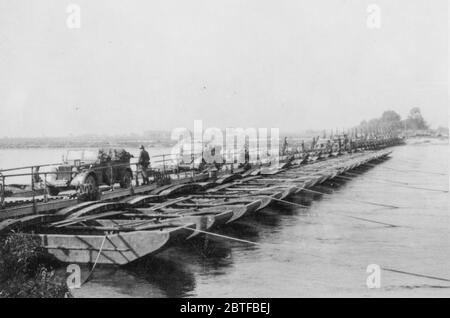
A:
x: 391, y: 121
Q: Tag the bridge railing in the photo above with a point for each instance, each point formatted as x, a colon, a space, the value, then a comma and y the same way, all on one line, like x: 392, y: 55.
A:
x: 169, y: 165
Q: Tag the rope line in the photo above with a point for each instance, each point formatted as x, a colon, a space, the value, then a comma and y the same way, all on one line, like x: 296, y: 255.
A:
x: 344, y: 215
x: 289, y: 202
x: 397, y: 183
x: 408, y: 171
x: 317, y: 256
x: 361, y: 201
x: 415, y: 274
x: 96, y: 260
x: 223, y: 236
x: 371, y: 221
x: 246, y: 241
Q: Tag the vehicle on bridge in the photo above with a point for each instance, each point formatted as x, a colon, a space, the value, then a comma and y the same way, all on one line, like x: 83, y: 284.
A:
x: 89, y: 169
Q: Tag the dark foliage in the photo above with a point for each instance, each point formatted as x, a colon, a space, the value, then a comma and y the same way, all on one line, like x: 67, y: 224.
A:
x: 26, y: 269
x: 390, y: 122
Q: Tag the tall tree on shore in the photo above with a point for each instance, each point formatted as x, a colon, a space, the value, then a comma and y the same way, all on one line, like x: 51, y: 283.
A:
x: 389, y: 121
x: 390, y: 117
x: 415, y: 120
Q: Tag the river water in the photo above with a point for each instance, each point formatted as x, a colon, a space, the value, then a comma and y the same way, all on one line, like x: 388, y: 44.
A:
x: 323, y: 250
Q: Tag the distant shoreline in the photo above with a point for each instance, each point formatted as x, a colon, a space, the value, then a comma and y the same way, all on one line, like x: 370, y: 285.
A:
x: 150, y: 139
x: 157, y: 140
x: 128, y: 144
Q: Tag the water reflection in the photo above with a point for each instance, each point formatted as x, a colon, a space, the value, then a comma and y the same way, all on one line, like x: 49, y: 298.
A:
x: 170, y: 276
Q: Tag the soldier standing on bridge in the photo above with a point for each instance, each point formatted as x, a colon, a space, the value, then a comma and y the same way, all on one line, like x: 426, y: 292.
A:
x: 313, y: 143
x: 144, y: 162
x: 285, y: 147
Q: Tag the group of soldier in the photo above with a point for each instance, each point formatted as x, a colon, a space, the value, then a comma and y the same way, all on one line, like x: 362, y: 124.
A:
x: 338, y: 143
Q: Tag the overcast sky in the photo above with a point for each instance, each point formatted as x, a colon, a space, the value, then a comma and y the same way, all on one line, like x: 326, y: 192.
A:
x: 290, y: 64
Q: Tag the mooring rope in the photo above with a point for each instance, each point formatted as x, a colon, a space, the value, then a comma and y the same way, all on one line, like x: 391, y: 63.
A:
x: 222, y: 236
x: 368, y: 220
x: 288, y: 202
x: 397, y: 183
x: 344, y: 215
x: 409, y: 171
x: 245, y: 241
x: 317, y: 256
x: 411, y: 187
x: 355, y: 200
x: 96, y: 260
x: 415, y: 274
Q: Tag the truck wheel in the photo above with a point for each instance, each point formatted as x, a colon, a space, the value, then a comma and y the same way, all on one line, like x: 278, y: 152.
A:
x: 53, y: 191
x: 90, y: 183
x: 125, y: 183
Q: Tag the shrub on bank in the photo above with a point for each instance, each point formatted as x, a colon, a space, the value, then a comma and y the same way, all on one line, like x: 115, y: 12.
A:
x: 26, y: 269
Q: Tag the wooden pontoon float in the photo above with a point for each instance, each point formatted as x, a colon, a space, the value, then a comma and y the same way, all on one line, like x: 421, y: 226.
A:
x: 117, y: 248
x: 226, y: 210
x: 122, y: 235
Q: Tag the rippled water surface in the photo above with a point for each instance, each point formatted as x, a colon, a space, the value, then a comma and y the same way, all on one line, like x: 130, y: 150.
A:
x: 322, y: 250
